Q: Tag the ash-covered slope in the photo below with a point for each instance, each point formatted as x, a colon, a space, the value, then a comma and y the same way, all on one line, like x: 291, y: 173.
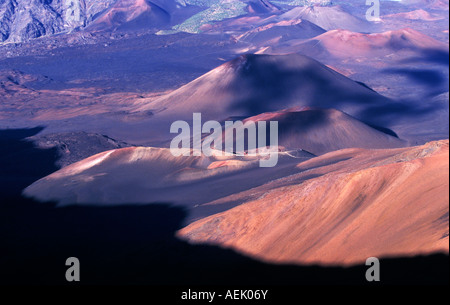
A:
x: 367, y: 203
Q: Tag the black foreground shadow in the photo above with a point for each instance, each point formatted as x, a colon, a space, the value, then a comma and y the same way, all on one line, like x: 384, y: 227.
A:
x: 135, y: 244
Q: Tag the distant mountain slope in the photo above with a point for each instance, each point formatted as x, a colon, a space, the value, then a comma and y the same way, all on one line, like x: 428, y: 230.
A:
x: 327, y: 17
x: 261, y: 7
x: 346, y: 44
x: 432, y: 4
x: 380, y: 203
x: 419, y: 14
x: 27, y: 19
x: 213, y: 11
x: 132, y: 14
x: 276, y: 32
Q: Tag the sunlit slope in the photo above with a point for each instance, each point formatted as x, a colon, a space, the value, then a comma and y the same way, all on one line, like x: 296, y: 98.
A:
x: 394, y: 205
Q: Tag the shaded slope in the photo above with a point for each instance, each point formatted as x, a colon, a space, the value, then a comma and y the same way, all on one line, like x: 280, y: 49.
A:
x: 319, y: 131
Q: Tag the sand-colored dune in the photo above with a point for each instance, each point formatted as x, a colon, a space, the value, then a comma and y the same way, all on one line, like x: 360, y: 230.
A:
x: 379, y: 203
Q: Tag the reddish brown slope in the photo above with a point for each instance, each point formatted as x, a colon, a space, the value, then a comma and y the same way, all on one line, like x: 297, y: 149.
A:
x: 396, y: 205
